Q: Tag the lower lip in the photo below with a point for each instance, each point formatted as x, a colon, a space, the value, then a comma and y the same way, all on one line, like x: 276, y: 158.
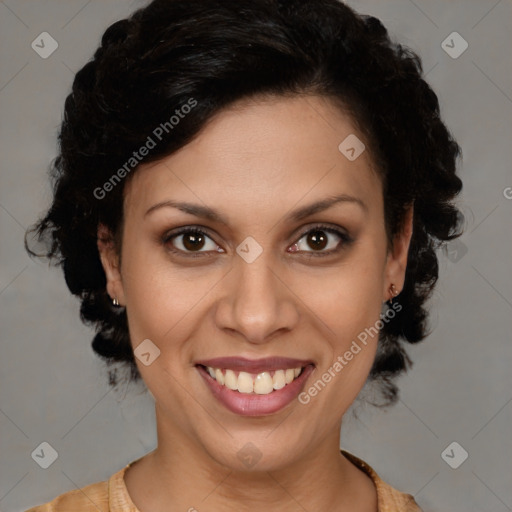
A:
x: 252, y: 404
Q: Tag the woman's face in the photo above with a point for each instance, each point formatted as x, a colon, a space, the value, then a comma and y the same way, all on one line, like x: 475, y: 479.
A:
x: 269, y: 284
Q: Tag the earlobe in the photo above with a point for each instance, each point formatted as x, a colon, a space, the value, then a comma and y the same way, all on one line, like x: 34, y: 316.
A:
x: 397, y: 258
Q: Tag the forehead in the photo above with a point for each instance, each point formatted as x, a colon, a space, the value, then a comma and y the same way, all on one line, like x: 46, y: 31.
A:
x: 261, y: 153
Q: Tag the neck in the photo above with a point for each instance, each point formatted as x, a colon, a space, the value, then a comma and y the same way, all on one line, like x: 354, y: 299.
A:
x: 180, y: 475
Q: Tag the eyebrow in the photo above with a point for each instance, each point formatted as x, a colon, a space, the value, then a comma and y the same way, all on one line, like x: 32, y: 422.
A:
x: 297, y: 215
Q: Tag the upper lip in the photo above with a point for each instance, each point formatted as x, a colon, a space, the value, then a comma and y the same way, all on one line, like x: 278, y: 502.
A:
x: 242, y: 364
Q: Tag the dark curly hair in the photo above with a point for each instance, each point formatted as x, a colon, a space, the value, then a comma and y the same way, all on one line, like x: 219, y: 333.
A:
x: 216, y: 52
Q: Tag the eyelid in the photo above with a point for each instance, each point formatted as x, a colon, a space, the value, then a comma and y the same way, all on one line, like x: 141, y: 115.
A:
x: 342, y: 233
x: 168, y: 236
x: 337, y: 230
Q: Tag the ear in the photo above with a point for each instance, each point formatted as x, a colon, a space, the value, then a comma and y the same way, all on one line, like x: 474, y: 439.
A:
x: 396, y: 262
x: 110, y: 262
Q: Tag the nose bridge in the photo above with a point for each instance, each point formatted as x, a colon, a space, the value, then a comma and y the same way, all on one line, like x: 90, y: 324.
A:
x: 258, y: 303
x: 256, y: 279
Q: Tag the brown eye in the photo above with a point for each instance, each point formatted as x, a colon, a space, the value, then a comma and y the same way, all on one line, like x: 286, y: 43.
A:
x: 190, y: 240
x: 317, y: 239
x: 320, y: 238
x: 193, y: 241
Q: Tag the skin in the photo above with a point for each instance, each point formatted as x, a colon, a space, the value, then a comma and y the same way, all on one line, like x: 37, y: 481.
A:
x: 254, y: 163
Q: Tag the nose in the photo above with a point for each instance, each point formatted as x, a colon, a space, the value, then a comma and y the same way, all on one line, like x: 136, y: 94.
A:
x: 257, y: 303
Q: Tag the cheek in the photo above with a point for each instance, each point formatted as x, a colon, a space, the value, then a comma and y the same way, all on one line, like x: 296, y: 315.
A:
x: 351, y: 311
x: 150, y: 294
x: 163, y: 299
x: 156, y: 304
x: 347, y: 298
x: 349, y: 303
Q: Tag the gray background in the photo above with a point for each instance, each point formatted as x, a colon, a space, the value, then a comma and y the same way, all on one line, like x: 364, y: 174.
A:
x: 54, y: 389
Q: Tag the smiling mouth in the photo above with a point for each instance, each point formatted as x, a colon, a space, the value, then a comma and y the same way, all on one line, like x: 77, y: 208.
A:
x: 263, y: 383
x: 255, y: 388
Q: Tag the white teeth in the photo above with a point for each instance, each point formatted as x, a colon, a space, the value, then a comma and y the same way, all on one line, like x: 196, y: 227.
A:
x: 230, y: 380
x: 219, y: 377
x: 245, y: 383
x: 279, y: 379
x: 261, y: 384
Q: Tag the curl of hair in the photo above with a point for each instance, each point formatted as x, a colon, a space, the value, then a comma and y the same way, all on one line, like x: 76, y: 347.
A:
x: 221, y: 51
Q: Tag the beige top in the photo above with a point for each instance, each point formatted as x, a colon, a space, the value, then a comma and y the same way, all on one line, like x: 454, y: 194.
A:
x: 112, y: 496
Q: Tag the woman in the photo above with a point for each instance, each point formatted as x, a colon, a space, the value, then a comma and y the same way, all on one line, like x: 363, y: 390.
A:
x: 248, y: 200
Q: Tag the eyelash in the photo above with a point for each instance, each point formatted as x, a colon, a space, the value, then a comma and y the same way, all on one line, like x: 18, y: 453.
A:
x: 346, y: 240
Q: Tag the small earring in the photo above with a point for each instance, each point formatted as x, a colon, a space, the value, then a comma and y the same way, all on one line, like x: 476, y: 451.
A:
x: 393, y: 292
x: 115, y: 301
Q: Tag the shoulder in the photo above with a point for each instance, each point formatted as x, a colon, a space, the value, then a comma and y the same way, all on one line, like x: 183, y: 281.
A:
x: 389, y: 498
x: 92, y: 498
